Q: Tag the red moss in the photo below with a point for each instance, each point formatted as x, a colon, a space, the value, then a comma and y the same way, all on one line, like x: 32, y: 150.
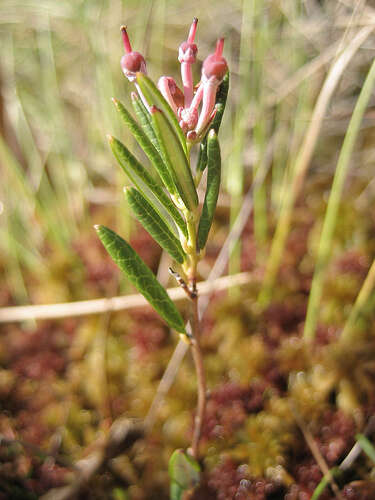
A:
x: 229, y: 480
x: 148, y: 333
x: 336, y: 436
x: 325, y: 335
x: 228, y: 406
x: 39, y: 354
x: 307, y: 475
x: 353, y: 262
x: 146, y: 247
x: 282, y: 320
x: 359, y: 490
x: 98, y: 265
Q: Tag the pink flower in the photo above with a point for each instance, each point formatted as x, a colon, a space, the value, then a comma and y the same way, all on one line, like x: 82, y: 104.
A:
x: 171, y: 93
x: 213, y: 71
x: 132, y: 62
x: 193, y: 121
x: 187, y: 54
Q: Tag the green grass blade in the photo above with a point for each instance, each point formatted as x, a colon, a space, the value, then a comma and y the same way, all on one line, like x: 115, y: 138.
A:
x: 154, y: 98
x: 330, y: 219
x: 141, y: 277
x: 145, y: 119
x: 348, y: 334
x: 221, y: 100
x: 154, y: 224
x: 302, y: 163
x: 145, y: 183
x: 175, y: 158
x: 335, y: 472
x: 212, y: 191
x: 366, y: 446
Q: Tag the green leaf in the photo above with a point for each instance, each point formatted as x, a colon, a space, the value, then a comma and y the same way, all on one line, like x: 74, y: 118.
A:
x: 183, y: 470
x: 156, y: 160
x: 176, y: 491
x: 335, y: 472
x: 175, y: 158
x: 141, y: 277
x: 147, y: 185
x: 366, y: 446
x: 144, y: 118
x: 154, y: 224
x: 155, y: 98
x: 212, y: 191
x: 221, y: 100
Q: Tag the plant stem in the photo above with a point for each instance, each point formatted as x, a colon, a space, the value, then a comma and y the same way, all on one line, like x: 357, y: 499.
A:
x: 201, y: 377
x: 191, y: 275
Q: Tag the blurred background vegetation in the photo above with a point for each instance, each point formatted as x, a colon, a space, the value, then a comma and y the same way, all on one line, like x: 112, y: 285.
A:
x: 58, y: 71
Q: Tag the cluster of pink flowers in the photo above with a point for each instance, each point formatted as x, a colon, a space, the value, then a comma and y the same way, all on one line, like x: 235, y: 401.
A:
x: 186, y: 103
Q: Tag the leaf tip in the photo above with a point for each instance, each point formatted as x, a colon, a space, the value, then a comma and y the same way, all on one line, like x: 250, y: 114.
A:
x: 154, y: 109
x: 97, y: 227
x: 110, y: 138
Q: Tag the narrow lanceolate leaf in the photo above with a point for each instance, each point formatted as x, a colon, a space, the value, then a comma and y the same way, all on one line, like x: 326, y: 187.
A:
x: 152, y: 154
x: 145, y: 183
x: 155, y: 98
x: 175, y: 158
x: 141, y: 277
x: 212, y: 191
x: 221, y: 100
x: 145, y: 119
x: 154, y: 224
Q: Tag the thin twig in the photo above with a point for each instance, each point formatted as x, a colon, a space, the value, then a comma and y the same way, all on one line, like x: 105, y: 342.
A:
x: 99, y: 306
x: 316, y: 452
x: 201, y: 377
x: 58, y: 459
x: 122, y: 435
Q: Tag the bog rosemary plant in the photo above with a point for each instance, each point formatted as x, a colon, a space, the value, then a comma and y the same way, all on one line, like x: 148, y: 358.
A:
x: 169, y: 123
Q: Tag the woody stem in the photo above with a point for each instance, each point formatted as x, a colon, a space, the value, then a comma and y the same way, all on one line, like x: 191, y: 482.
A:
x: 191, y: 273
x: 201, y: 377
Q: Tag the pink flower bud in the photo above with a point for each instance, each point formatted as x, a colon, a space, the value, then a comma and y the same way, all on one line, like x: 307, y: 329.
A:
x: 213, y: 72
x: 132, y: 62
x: 215, y: 65
x: 171, y: 93
x: 187, y: 51
x: 187, y: 55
